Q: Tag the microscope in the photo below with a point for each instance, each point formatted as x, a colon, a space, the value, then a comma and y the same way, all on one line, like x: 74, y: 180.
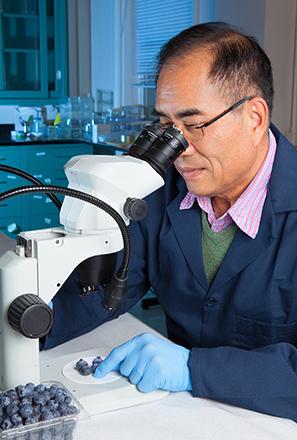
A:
x: 88, y: 241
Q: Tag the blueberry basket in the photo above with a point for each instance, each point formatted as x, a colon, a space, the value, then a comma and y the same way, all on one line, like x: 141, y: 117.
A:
x: 47, y: 412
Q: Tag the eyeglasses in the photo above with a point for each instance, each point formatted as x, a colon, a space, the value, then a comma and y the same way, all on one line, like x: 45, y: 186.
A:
x: 229, y: 109
x: 202, y: 125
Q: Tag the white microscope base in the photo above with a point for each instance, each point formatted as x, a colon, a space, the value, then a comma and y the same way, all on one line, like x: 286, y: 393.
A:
x: 96, y: 398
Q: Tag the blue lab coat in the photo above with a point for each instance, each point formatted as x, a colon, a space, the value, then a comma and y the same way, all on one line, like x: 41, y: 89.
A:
x: 241, y: 329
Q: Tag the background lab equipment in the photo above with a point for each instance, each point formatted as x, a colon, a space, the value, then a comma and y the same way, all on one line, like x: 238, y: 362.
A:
x: 43, y: 259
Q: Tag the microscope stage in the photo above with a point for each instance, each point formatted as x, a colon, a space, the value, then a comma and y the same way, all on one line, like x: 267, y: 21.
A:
x: 95, y: 395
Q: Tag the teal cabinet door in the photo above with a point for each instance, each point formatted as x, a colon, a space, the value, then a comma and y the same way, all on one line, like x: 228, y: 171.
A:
x: 33, y: 51
x: 11, y: 210
x: 46, y: 163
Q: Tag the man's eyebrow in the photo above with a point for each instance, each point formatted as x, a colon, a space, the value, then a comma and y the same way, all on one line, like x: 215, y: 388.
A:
x: 180, y: 114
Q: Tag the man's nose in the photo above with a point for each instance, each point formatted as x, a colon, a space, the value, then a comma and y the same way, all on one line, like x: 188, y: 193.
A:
x: 189, y: 150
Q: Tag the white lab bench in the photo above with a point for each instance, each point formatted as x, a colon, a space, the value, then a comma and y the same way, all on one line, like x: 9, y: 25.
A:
x: 177, y: 416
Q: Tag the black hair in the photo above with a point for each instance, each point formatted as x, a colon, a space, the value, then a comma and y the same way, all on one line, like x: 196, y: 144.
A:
x: 239, y: 65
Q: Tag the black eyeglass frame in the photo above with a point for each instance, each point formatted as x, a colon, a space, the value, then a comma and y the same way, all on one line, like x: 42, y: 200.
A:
x: 229, y: 109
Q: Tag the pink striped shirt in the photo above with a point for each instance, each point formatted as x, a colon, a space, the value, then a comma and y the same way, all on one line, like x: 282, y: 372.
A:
x: 247, y: 210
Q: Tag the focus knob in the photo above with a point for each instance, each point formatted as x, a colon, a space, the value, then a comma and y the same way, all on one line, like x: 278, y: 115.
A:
x: 30, y: 316
x: 135, y: 209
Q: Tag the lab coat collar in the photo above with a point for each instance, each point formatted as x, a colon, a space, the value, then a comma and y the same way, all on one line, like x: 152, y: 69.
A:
x: 243, y: 250
x: 186, y: 225
x: 283, y: 182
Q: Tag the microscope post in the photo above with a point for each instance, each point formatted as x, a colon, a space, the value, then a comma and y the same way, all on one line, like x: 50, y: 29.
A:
x: 19, y: 356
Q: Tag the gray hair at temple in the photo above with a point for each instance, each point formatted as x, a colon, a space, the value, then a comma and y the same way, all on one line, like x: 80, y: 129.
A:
x: 239, y: 67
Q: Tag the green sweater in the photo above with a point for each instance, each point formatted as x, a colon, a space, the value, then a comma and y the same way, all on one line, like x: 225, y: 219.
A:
x: 215, y: 246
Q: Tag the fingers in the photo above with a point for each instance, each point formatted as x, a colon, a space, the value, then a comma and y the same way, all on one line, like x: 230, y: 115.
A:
x: 113, y: 361
x: 135, y: 360
x: 115, y: 358
x: 150, y: 380
x: 144, y: 358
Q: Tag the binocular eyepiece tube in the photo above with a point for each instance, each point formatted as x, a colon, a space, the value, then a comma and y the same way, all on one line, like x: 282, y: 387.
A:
x: 160, y: 148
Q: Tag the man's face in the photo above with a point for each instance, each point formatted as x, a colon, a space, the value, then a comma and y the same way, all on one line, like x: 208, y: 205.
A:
x: 220, y: 160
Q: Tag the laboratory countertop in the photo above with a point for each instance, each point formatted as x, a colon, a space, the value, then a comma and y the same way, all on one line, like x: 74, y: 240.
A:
x: 6, y: 141
x: 99, y: 148
x: 178, y: 416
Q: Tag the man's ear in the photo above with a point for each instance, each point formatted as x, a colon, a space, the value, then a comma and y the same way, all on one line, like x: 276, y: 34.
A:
x: 258, y: 113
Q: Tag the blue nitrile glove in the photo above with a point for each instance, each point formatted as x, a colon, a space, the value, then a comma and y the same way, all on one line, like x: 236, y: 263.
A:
x: 150, y: 363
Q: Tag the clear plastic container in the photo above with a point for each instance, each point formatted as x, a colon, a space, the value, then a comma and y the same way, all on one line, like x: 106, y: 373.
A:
x: 60, y: 428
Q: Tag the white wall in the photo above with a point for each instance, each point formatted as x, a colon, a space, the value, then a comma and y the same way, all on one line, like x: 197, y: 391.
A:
x: 249, y: 15
x: 8, y: 114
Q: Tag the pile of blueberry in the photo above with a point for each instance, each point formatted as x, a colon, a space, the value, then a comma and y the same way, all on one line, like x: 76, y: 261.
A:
x: 85, y: 369
x: 28, y: 404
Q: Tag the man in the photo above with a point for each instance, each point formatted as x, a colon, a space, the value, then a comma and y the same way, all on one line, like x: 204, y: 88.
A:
x: 219, y: 243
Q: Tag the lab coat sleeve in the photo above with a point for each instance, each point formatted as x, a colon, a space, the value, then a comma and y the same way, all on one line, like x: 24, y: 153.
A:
x: 263, y: 379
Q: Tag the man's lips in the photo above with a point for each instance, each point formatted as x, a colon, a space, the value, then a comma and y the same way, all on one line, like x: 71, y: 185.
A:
x: 191, y: 173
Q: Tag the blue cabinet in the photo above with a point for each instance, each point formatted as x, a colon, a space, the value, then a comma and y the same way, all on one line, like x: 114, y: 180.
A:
x: 45, y: 162
x: 33, y: 51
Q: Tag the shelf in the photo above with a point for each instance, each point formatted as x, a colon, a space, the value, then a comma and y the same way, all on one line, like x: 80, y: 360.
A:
x: 21, y: 50
x: 25, y: 16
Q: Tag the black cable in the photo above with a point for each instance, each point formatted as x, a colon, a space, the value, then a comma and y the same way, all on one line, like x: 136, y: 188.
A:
x: 27, y: 176
x: 121, y: 274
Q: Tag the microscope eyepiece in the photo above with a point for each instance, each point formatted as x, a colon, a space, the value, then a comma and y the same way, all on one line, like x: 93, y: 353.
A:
x: 162, y: 149
x: 144, y: 141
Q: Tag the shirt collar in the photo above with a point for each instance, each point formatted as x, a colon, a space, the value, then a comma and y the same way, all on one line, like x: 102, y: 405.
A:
x: 246, y: 211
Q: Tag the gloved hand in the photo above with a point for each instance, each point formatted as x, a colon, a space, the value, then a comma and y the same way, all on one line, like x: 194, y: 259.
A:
x: 150, y: 363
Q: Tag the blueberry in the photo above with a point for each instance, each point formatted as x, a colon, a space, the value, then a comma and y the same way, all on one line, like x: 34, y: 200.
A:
x: 36, y: 411
x: 72, y: 409
x: 26, y: 400
x: 13, y: 395
x: 97, y: 360
x: 30, y: 386
x: 11, y: 409
x: 56, y: 413
x: 40, y: 388
x: 4, y: 401
x: 58, y: 431
x: 34, y: 435
x: 45, y: 435
x: 52, y: 405
x: 69, y: 428
x: 26, y: 411
x: 47, y: 395
x: 53, y: 389
x: 46, y: 415
x: 63, y: 408
x: 30, y: 420
x: 24, y: 390
x: 86, y: 371
x: 68, y: 399
x: 6, y: 424
x: 39, y: 399
x: 19, y: 388
x: 16, y: 420
x: 81, y: 363
x: 60, y: 396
